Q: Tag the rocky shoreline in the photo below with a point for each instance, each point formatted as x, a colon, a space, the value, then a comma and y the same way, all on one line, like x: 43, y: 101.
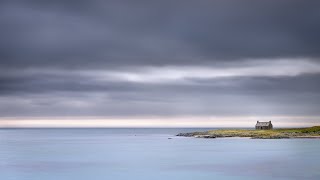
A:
x: 312, y: 132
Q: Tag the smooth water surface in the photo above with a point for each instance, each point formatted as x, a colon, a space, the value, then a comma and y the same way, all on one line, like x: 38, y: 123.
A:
x: 144, y: 154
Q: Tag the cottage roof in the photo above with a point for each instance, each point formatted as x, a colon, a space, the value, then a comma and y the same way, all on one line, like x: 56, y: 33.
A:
x: 263, y: 123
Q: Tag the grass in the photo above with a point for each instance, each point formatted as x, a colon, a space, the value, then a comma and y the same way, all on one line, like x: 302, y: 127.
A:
x: 263, y: 134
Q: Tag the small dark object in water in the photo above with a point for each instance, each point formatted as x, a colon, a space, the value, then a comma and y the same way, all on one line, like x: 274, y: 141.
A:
x: 169, y: 138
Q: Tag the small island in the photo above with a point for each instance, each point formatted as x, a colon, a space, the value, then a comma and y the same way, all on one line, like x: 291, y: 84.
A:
x: 311, y: 132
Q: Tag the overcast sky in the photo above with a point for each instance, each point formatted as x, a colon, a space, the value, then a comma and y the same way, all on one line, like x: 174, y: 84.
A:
x: 165, y: 59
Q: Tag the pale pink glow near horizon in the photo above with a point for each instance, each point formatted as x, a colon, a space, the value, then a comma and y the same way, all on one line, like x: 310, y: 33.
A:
x: 165, y: 122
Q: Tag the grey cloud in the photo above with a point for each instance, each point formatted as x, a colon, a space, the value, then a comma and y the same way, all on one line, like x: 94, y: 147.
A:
x: 54, y: 80
x: 104, y: 33
x: 97, y: 35
x: 67, y: 96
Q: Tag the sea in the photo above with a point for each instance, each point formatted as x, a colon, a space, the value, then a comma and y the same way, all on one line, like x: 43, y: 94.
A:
x: 151, y: 154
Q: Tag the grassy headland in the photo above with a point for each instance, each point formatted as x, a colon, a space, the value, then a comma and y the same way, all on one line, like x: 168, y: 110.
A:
x: 311, y: 132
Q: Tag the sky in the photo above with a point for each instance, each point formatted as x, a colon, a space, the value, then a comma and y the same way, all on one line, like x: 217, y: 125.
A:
x: 147, y: 63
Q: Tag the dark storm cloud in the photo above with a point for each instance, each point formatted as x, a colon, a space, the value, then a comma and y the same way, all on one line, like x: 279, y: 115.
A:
x: 94, y: 57
x: 60, y: 33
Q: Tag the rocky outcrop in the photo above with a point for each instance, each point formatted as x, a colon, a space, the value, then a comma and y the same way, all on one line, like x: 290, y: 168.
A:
x: 205, y: 136
x: 312, y: 132
x: 186, y: 134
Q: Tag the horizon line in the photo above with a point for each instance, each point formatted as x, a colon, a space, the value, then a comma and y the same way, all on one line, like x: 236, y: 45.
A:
x: 157, y: 122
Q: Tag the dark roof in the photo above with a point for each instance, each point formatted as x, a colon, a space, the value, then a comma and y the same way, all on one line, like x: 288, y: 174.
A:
x: 263, y: 123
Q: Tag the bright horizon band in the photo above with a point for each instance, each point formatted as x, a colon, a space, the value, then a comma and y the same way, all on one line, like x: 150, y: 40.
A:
x: 210, y: 122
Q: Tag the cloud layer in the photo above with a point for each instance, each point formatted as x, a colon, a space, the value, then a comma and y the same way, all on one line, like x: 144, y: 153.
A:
x: 159, y: 58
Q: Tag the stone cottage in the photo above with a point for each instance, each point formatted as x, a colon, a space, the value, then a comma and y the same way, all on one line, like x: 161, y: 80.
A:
x: 264, y: 125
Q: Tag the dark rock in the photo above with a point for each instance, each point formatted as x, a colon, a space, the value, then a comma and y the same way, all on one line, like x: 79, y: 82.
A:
x: 185, y: 134
x: 205, y: 136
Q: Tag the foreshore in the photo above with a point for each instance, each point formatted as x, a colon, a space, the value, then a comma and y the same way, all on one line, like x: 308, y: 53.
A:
x: 284, y: 133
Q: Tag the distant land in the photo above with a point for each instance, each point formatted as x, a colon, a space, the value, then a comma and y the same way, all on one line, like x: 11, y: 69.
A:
x: 310, y: 132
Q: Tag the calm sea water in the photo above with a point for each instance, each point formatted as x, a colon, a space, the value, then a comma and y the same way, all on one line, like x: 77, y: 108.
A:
x: 144, y: 154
